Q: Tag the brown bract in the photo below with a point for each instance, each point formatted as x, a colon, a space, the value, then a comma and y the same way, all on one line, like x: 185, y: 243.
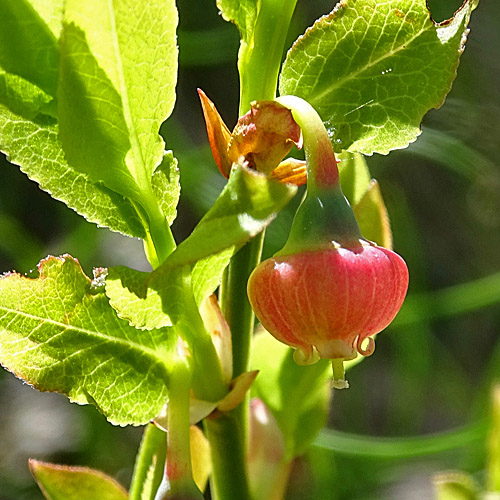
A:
x: 261, y: 139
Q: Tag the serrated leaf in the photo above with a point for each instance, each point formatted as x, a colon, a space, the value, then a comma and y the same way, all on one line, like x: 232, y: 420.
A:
x: 117, y: 85
x: 128, y: 294
x: 62, y: 482
x: 296, y: 395
x: 59, y: 333
x: 34, y: 146
x: 373, y: 69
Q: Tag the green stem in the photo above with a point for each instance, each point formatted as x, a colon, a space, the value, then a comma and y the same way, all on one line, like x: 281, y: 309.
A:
x: 234, y: 301
x: 258, y: 64
x: 322, y: 170
x: 260, y: 57
x: 178, y: 482
x: 229, y: 477
x: 324, y: 216
x: 159, y: 242
x: 152, y: 453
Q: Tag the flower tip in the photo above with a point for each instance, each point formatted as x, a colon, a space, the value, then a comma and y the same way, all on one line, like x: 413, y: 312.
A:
x: 305, y: 355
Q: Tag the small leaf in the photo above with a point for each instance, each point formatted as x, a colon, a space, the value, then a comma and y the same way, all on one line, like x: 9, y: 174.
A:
x: 365, y: 198
x: 243, y: 13
x: 296, y: 395
x: 200, y: 457
x: 372, y: 216
x: 166, y: 186
x: 62, y: 482
x: 373, y: 69
x: 354, y: 176
x: 59, y: 333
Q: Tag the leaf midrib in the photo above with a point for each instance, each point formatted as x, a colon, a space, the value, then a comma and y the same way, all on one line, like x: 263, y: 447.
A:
x: 141, y: 177
x: 339, y: 83
x: 65, y: 326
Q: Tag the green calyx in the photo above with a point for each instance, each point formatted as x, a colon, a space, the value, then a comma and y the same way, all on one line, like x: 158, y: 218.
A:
x: 322, y: 221
x: 324, y: 218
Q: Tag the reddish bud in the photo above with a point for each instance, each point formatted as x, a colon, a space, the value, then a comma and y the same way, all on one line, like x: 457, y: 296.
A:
x: 329, y: 301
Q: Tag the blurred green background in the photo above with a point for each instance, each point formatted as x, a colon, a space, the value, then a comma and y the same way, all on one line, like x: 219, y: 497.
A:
x: 433, y: 368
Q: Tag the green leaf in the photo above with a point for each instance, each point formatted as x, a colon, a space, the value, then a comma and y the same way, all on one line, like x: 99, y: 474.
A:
x: 117, y: 85
x: 59, y: 333
x: 21, y: 96
x: 373, y: 69
x: 372, y: 216
x: 28, y: 41
x: 34, y: 146
x: 248, y: 203
x: 243, y: 13
x: 128, y: 294
x: 354, y: 176
x: 62, y: 482
x: 207, y: 273
x: 297, y: 396
x: 141, y: 306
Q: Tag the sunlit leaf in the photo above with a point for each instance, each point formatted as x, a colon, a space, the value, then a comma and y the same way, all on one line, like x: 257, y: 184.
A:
x: 373, y: 69
x: 34, y: 146
x: 117, y: 81
x: 28, y: 41
x: 59, y: 333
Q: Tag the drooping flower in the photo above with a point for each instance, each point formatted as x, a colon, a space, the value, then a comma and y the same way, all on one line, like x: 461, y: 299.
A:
x: 328, y: 289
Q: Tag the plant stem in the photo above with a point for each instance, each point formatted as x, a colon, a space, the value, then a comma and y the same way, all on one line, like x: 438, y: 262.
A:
x: 152, y: 453
x: 229, y: 478
x: 322, y: 170
x: 234, y: 301
x: 260, y: 58
x: 258, y: 64
x: 178, y: 482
